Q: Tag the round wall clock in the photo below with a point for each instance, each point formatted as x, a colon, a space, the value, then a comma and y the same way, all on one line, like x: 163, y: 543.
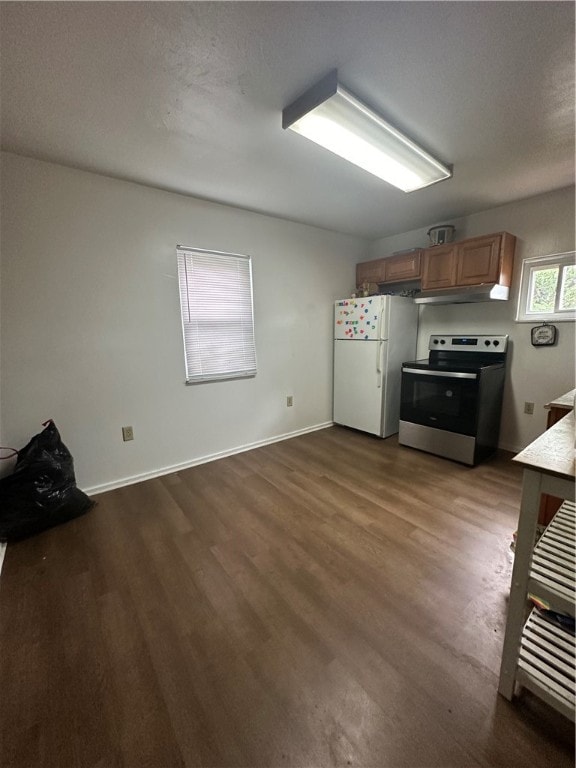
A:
x: 544, y: 335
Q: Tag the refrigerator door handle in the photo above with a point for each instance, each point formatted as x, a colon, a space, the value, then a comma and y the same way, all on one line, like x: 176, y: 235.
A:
x: 379, y: 363
x: 380, y: 322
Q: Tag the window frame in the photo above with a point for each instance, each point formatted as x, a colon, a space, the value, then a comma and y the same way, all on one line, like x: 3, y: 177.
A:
x: 201, y: 306
x: 529, y: 267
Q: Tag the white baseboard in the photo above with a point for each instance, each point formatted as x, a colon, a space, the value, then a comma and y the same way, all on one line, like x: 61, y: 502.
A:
x: 120, y: 483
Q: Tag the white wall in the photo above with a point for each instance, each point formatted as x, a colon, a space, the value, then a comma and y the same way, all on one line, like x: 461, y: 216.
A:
x: 91, y: 333
x: 542, y: 225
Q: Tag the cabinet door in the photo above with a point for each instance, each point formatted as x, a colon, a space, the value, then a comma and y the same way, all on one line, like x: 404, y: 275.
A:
x: 370, y: 272
x: 439, y: 267
x: 406, y: 267
x: 478, y: 261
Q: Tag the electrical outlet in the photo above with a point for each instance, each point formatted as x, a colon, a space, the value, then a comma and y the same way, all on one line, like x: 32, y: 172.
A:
x: 289, y: 401
x: 529, y: 408
x: 127, y: 434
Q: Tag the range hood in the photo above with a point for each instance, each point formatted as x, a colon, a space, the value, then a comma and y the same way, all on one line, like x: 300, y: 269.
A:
x: 464, y: 294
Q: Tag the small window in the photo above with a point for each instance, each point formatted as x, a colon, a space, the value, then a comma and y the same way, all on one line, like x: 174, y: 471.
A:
x: 548, y: 288
x: 217, y: 314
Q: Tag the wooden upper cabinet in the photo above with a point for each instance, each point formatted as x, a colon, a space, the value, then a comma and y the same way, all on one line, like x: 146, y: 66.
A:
x: 370, y: 272
x: 478, y: 261
x: 394, y: 269
x: 402, y: 268
x: 439, y: 267
x: 474, y: 261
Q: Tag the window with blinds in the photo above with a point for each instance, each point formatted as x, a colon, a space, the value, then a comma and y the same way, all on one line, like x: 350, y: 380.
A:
x: 217, y: 314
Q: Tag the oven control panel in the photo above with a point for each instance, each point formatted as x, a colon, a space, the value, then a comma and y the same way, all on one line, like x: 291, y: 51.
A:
x: 496, y: 344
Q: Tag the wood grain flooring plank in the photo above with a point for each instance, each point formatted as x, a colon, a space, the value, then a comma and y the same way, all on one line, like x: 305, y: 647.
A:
x: 329, y: 600
x: 352, y: 641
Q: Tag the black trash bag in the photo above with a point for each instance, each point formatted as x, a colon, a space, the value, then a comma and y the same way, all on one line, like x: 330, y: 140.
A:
x: 41, y: 492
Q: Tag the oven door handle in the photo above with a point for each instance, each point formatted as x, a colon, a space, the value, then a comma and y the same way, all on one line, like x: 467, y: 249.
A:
x: 441, y: 374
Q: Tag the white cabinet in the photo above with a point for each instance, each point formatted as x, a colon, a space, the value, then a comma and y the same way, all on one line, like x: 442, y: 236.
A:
x: 538, y: 654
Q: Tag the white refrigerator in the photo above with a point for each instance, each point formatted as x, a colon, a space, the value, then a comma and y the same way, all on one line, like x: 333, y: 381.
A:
x: 372, y: 338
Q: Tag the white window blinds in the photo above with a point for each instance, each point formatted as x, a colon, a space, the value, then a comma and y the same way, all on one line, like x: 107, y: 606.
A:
x: 217, y: 314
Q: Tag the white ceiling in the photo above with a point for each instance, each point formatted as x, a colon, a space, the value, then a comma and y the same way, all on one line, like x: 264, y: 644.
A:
x: 188, y: 97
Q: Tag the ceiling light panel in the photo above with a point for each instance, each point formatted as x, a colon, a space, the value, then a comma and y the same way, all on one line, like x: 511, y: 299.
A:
x: 335, y: 119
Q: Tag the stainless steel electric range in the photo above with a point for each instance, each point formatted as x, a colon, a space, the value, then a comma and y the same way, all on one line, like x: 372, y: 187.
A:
x: 451, y: 403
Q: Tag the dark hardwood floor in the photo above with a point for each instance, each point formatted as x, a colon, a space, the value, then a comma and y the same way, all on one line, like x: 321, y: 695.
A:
x: 331, y: 600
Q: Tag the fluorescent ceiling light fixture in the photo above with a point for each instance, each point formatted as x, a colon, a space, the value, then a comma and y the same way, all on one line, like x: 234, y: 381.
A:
x: 332, y: 117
